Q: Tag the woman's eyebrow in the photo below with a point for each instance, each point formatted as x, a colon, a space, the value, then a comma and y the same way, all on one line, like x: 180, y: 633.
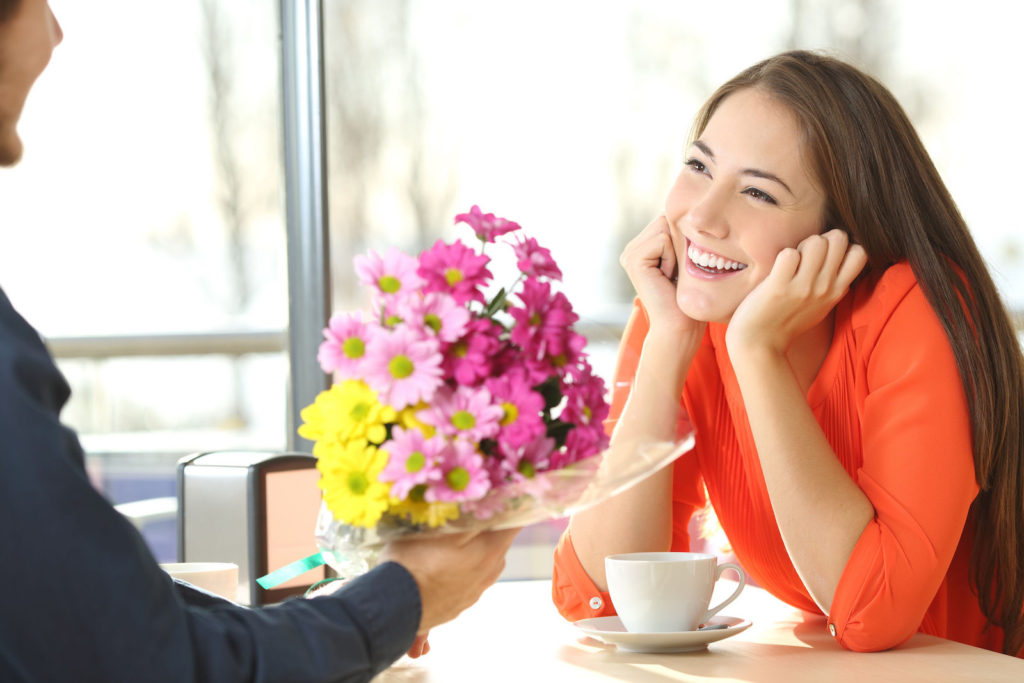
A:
x: 757, y: 173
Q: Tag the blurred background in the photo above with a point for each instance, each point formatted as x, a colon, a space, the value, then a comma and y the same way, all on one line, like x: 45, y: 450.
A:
x: 144, y: 233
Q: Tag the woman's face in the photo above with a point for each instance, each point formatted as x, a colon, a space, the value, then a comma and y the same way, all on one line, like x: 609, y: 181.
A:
x: 26, y: 40
x: 744, y: 194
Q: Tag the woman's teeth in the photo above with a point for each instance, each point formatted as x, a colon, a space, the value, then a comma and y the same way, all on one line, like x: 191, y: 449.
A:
x: 710, y: 262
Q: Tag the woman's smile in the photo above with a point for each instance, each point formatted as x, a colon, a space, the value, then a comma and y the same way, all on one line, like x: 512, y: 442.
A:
x: 707, y: 264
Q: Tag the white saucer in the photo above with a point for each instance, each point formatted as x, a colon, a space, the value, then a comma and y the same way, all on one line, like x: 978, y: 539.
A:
x: 611, y: 630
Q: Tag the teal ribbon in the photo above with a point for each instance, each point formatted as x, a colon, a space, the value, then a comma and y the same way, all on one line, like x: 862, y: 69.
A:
x: 290, y: 571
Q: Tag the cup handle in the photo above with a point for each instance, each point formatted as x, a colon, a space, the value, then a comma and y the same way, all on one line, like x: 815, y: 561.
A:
x: 743, y: 582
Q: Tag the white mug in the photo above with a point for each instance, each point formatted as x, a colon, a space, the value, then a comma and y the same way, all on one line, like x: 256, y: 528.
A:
x: 666, y: 592
x: 220, y: 578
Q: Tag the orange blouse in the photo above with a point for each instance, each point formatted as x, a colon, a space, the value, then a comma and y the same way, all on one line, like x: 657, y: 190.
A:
x: 891, y: 404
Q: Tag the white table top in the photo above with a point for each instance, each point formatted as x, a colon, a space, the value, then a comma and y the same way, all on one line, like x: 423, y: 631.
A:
x: 514, y: 633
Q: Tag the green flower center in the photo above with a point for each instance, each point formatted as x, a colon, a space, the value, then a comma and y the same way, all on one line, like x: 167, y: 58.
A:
x: 415, y: 462
x: 457, y: 478
x: 389, y: 284
x: 358, y: 483
x: 511, y: 413
x: 526, y: 468
x: 463, y: 420
x: 460, y: 349
x: 432, y: 321
x: 453, y: 276
x: 392, y: 320
x: 417, y: 492
x: 353, y: 347
x: 535, y: 319
x: 400, y: 366
x: 360, y: 411
x: 559, y: 361
x: 587, y: 413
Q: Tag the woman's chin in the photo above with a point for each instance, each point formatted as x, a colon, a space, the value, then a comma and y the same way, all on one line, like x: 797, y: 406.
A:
x: 699, y: 306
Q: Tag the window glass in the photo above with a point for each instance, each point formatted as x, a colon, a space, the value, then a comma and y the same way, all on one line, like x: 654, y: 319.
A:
x: 571, y: 118
x: 149, y: 202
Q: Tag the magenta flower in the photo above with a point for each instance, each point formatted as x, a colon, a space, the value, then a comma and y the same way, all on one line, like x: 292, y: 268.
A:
x: 436, y: 314
x: 344, y: 349
x: 456, y: 270
x: 463, y: 475
x: 525, y: 461
x: 544, y: 322
x: 466, y: 412
x: 585, y: 402
x: 403, y: 368
x: 486, y: 225
x: 534, y: 260
x: 581, y: 442
x: 521, y: 405
x: 388, y: 275
x: 413, y: 460
x: 470, y: 359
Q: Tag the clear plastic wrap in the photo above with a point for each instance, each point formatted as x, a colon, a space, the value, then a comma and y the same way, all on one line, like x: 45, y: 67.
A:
x: 353, y: 550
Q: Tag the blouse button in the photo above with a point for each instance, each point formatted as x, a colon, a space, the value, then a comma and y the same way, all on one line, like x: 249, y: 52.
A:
x: 596, y: 603
x: 832, y: 630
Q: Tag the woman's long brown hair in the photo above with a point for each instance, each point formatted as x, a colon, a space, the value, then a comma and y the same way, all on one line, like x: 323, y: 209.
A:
x: 884, y: 190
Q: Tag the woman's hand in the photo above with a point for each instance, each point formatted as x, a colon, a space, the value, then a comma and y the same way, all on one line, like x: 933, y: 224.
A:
x: 650, y: 262
x: 802, y: 288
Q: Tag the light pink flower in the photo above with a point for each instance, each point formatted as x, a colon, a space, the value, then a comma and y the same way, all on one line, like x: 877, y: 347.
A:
x: 343, y: 351
x: 521, y: 405
x: 391, y: 274
x: 466, y: 412
x: 413, y: 459
x: 436, y: 314
x: 403, y: 368
x: 464, y: 476
x: 486, y: 225
x: 456, y: 270
x: 534, y: 260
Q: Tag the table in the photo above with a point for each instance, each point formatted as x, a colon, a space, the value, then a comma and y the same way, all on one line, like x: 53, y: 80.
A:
x: 514, y: 633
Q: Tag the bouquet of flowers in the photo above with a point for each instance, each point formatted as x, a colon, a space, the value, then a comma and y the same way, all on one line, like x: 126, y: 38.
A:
x: 453, y: 406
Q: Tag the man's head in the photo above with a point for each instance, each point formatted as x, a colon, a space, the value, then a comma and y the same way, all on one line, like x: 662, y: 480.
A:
x: 28, y: 34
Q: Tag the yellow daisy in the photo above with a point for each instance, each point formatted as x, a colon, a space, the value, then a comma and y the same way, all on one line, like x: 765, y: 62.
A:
x: 418, y: 511
x: 349, y: 478
x: 346, y: 411
x: 407, y: 418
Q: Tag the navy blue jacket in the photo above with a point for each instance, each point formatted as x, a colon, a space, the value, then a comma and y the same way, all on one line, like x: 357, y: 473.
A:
x: 82, y: 598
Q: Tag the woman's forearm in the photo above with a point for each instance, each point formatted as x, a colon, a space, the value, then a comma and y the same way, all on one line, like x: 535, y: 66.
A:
x: 820, y: 510
x: 640, y: 518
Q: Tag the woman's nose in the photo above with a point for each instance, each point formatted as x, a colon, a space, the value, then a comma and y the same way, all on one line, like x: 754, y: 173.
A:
x: 707, y: 215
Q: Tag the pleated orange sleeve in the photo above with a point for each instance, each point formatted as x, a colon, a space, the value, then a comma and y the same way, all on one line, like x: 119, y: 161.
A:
x: 917, y: 468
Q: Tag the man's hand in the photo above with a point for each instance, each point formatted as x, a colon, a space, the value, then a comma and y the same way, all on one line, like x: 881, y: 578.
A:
x: 451, y: 570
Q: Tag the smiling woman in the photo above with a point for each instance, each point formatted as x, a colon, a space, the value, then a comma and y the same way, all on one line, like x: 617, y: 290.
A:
x: 826, y: 323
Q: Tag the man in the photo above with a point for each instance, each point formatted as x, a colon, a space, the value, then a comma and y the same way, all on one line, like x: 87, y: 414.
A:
x: 84, y: 599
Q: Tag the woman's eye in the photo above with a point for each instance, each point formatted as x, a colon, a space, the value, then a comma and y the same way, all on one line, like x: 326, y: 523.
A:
x: 697, y: 165
x: 760, y: 196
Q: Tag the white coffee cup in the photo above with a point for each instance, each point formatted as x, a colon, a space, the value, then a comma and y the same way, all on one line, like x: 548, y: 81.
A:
x: 666, y: 592
x: 220, y: 578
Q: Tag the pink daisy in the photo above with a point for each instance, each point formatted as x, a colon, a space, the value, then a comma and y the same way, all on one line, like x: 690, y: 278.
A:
x: 521, y: 405
x: 466, y: 412
x: 581, y: 442
x: 413, y: 459
x: 343, y: 351
x: 470, y: 359
x: 435, y: 313
x: 543, y: 322
x: 486, y: 225
x: 403, y: 368
x: 464, y: 476
x: 391, y: 274
x: 585, y: 402
x: 455, y: 269
x: 534, y: 260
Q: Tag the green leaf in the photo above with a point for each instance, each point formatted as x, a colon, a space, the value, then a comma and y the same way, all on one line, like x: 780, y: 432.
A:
x: 497, y: 303
x: 551, y: 391
x: 558, y: 431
